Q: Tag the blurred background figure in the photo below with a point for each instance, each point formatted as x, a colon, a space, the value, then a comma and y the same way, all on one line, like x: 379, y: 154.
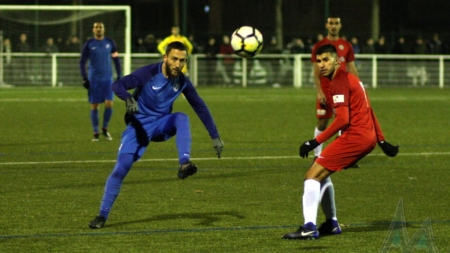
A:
x: 138, y: 46
x: 211, y: 50
x: 417, y: 71
x: 45, y: 75
x: 355, y: 45
x: 7, y: 60
x: 73, y: 45
x: 50, y: 47
x: 435, y: 45
x: 176, y: 36
x: 369, y: 47
x: 297, y: 46
x: 225, y: 66
x: 273, y: 64
x: 23, y: 62
x: 400, y: 47
x: 150, y: 44
x: 381, y: 47
x: 196, y: 48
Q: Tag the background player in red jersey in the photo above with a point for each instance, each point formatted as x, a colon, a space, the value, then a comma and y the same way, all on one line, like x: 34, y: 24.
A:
x: 360, y: 134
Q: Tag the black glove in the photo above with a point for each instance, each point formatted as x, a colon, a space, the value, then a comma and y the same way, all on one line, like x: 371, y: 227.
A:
x: 308, y: 146
x: 218, y: 146
x: 86, y: 83
x: 131, y: 106
x: 388, y: 148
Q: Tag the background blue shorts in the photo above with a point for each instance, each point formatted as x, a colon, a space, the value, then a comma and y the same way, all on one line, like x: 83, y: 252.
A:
x: 100, y: 91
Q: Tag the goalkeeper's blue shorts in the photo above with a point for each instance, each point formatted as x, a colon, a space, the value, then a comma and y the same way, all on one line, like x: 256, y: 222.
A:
x: 100, y: 91
x: 139, y: 133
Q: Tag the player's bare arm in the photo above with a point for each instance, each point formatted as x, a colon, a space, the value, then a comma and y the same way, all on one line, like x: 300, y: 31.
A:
x: 352, y: 68
x: 320, y: 95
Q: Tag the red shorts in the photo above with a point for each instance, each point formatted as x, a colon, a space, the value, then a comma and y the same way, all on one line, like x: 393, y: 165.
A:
x: 325, y: 112
x: 346, y: 150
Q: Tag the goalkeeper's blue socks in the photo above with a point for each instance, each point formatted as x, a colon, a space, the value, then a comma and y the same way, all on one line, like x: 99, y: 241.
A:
x: 107, y: 117
x: 94, y: 120
x: 114, y: 183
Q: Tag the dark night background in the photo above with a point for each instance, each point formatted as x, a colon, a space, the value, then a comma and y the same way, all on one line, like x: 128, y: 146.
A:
x: 301, y: 18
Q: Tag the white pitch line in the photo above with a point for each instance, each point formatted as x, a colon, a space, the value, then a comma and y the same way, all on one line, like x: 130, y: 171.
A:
x: 210, y: 158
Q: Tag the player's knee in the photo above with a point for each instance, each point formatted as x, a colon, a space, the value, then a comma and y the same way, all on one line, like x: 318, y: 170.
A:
x: 123, y: 165
x: 322, y: 124
x: 109, y: 104
x: 180, y: 117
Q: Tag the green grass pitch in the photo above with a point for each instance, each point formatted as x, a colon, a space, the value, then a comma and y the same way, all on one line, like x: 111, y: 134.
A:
x: 52, y: 175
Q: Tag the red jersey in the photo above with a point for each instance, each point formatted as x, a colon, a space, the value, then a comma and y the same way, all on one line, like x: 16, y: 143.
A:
x: 347, y: 90
x: 355, y: 118
x: 344, y: 50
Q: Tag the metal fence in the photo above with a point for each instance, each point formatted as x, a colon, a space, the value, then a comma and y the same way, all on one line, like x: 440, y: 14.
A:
x: 271, y: 70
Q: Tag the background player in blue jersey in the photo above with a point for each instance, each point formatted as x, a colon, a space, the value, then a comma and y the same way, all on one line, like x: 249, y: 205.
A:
x: 149, y: 118
x: 100, y: 50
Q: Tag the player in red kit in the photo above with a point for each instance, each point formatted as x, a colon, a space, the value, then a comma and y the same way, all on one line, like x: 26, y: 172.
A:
x: 346, y: 58
x: 347, y: 62
x: 360, y: 134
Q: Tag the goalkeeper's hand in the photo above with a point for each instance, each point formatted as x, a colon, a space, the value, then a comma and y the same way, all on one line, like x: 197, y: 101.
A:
x: 307, y: 146
x: 131, y: 106
x: 218, y: 146
x: 86, y: 83
x: 388, y: 148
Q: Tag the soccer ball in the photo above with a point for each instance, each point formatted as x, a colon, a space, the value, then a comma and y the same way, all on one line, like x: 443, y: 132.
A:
x: 247, y: 41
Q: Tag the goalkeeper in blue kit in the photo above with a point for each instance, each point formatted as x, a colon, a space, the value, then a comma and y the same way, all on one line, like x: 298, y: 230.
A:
x: 149, y: 118
x: 99, y: 51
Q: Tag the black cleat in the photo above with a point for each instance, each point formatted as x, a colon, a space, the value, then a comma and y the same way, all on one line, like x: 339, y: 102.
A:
x: 306, y: 232
x: 330, y: 227
x: 96, y: 135
x: 98, y: 222
x: 187, y: 169
x: 106, y: 134
x: 354, y: 166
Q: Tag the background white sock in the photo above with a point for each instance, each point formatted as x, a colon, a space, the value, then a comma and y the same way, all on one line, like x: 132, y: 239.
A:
x: 317, y: 150
x: 328, y: 202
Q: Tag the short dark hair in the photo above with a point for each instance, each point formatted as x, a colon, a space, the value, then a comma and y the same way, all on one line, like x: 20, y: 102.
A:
x: 334, y: 15
x: 175, y: 45
x: 327, y: 48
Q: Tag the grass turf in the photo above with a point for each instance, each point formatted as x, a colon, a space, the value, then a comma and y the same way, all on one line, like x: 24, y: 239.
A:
x: 52, y: 176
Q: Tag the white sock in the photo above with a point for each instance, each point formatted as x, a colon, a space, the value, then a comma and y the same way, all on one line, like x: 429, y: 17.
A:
x: 311, y: 199
x: 317, y: 150
x: 328, y: 202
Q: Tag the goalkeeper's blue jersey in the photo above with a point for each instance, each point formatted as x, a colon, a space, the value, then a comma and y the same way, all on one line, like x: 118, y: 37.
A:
x: 155, y: 95
x: 99, y: 53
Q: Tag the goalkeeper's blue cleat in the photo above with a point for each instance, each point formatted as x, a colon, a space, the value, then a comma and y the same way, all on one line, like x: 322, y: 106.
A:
x: 96, y: 135
x: 187, y: 169
x: 106, y: 134
x: 330, y: 227
x: 98, y: 222
x: 306, y: 232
